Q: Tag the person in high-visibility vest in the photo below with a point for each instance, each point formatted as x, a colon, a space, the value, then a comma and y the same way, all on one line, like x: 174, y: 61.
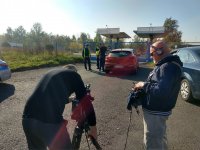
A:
x: 97, y: 56
x: 86, y: 56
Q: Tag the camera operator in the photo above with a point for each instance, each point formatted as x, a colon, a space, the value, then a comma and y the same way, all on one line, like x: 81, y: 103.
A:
x: 161, y: 88
x: 43, y: 122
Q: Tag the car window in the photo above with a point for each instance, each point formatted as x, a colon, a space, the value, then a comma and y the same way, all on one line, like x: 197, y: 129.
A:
x: 198, y: 54
x: 186, y: 57
x: 119, y: 53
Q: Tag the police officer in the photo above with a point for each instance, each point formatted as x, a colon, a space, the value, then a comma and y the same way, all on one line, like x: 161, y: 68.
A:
x: 86, y: 56
x: 97, y: 56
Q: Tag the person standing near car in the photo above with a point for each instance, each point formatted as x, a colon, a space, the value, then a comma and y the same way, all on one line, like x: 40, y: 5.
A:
x: 161, y: 88
x: 102, y: 54
x: 86, y: 56
x: 97, y: 56
x: 43, y: 122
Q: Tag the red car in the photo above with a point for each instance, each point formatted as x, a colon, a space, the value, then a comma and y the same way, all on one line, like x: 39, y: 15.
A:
x: 121, y: 60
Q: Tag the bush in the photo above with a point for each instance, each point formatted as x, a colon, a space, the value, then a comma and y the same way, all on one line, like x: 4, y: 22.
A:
x: 49, y: 48
x: 5, y: 44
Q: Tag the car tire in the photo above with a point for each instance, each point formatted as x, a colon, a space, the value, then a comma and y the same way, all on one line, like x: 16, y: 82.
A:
x: 185, y: 91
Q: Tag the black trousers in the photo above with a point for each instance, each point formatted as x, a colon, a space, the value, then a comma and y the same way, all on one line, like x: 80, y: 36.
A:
x: 102, y: 63
x: 41, y: 135
x: 98, y: 62
x: 87, y: 61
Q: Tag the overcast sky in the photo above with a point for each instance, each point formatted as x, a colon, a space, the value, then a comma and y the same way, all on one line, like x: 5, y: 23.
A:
x: 71, y: 17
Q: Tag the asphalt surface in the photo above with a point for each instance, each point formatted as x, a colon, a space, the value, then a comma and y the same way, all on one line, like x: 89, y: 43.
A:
x: 110, y: 92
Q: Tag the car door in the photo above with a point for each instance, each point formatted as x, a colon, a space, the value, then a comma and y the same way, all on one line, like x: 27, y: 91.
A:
x: 190, y: 68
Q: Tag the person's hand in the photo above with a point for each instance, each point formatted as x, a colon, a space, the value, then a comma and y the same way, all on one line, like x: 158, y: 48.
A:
x: 138, y: 85
x: 93, y: 132
x: 71, y: 98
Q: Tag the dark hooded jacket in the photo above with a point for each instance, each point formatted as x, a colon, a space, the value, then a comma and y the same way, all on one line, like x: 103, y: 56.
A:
x: 162, y: 86
x: 47, y: 102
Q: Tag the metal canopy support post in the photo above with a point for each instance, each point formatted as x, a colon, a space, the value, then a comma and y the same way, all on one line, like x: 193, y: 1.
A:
x: 148, y: 58
x: 111, y: 36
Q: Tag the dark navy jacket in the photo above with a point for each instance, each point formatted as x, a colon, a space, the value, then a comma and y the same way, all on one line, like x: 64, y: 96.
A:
x: 162, y: 86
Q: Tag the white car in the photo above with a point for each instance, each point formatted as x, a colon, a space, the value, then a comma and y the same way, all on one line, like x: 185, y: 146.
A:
x: 5, y: 72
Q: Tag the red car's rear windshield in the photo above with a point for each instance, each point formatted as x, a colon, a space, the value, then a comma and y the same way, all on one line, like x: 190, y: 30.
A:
x: 119, y: 53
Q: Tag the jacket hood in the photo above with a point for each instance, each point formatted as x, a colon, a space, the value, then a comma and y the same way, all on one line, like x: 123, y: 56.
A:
x: 170, y: 58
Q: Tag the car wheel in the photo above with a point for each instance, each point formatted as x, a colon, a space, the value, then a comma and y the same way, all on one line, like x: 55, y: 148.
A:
x: 185, y: 90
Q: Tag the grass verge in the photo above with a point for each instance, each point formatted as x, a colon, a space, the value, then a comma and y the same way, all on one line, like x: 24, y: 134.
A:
x: 20, y: 60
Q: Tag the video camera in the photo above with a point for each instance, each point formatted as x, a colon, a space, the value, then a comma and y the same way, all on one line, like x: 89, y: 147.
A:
x: 134, y: 99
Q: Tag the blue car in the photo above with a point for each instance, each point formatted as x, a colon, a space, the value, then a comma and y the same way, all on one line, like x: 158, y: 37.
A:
x: 5, y: 72
x: 190, y: 85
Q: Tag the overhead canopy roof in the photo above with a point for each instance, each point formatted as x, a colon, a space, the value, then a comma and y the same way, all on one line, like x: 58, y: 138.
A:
x: 112, y: 33
x: 146, y: 32
x: 117, y: 36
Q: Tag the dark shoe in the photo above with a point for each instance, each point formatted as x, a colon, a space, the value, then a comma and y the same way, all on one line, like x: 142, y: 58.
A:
x: 90, y: 69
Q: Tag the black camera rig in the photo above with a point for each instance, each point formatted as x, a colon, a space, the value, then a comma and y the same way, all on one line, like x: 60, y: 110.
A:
x: 82, y: 125
x: 134, y: 99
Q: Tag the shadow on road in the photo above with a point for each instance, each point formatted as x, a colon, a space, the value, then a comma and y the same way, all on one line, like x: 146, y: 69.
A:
x: 195, y: 102
x: 141, y: 75
x: 98, y: 72
x: 6, y: 90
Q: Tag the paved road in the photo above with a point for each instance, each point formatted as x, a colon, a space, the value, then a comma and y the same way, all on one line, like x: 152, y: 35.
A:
x: 110, y: 103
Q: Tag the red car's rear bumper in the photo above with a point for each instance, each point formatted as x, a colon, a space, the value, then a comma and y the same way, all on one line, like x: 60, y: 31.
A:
x: 120, y: 68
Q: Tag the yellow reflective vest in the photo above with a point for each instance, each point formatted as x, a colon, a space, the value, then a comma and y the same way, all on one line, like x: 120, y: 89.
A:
x: 97, y: 51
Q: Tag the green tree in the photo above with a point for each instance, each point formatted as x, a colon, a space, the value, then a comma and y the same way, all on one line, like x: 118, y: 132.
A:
x: 49, y: 48
x: 73, y: 38
x: 67, y: 41
x: 9, y: 35
x: 36, y: 35
x: 5, y: 44
x: 75, y: 47
x: 172, y: 35
x: 19, y: 34
x: 98, y: 38
x: 83, y: 38
x: 139, y: 45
